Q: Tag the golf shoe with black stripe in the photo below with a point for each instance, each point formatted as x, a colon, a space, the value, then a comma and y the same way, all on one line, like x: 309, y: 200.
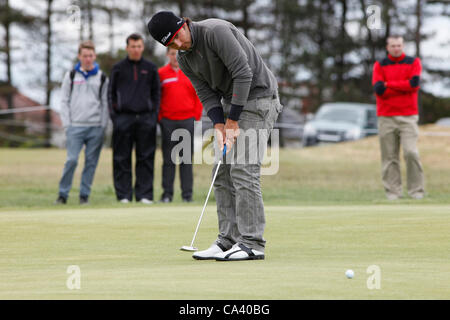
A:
x: 210, y: 253
x: 240, y: 252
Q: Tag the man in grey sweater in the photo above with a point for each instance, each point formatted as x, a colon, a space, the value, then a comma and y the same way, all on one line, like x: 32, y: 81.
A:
x: 84, y: 114
x: 232, y: 82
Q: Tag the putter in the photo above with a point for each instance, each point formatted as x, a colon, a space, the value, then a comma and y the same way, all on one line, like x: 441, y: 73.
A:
x: 191, y: 247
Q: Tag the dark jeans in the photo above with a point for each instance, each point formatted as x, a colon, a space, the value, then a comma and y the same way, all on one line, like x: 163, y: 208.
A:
x: 138, y: 131
x: 168, y: 169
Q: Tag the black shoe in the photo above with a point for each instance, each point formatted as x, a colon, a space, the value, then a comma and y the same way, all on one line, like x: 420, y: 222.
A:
x: 84, y: 200
x: 165, y: 200
x: 60, y: 200
x: 187, y: 199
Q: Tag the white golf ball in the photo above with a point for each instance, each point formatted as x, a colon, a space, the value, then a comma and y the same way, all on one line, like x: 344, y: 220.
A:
x: 349, y: 273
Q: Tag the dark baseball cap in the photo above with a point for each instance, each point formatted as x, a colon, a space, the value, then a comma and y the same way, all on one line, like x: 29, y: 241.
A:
x: 164, y: 26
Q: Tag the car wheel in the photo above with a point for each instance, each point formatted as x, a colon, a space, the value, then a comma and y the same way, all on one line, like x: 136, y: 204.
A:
x: 309, y: 141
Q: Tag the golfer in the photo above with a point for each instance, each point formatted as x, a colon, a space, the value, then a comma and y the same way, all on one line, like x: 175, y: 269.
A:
x: 239, y: 94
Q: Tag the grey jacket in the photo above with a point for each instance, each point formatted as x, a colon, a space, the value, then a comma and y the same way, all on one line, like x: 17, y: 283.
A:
x: 223, y: 63
x: 84, y: 108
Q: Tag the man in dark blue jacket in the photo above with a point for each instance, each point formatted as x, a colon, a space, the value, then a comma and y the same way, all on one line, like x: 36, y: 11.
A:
x: 134, y: 96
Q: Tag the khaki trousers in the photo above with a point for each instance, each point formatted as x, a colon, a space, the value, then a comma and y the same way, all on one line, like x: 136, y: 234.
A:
x: 393, y: 132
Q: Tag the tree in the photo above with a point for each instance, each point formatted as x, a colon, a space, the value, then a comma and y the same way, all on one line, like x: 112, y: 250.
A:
x: 87, y: 15
x: 49, y: 84
x: 312, y: 39
x: 111, y: 9
x: 342, y: 45
x: 8, y: 17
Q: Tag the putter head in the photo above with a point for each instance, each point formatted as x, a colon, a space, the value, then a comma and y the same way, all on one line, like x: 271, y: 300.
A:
x: 188, y: 248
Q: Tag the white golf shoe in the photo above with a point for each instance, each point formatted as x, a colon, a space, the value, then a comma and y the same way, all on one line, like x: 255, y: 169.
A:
x: 240, y: 252
x: 210, y: 253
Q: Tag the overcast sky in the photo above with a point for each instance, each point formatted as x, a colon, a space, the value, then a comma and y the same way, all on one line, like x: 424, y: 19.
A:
x: 28, y: 57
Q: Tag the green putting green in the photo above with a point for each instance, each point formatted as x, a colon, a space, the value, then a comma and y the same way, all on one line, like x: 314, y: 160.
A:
x: 133, y: 253
x: 325, y: 210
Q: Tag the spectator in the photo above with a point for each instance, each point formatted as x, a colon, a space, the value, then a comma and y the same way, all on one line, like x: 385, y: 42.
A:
x: 84, y: 114
x: 133, y: 104
x: 180, y: 106
x: 396, y: 82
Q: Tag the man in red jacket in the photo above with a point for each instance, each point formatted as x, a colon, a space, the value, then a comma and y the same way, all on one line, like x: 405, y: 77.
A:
x: 396, y: 82
x: 180, y: 106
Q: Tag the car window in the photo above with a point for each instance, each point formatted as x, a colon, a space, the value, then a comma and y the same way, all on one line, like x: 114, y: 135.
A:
x: 339, y: 115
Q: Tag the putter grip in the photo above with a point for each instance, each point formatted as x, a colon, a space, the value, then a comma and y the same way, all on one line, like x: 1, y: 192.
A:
x: 224, y: 150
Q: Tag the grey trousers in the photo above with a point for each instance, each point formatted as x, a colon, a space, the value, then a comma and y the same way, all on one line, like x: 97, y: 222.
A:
x: 237, y: 187
x: 394, y: 131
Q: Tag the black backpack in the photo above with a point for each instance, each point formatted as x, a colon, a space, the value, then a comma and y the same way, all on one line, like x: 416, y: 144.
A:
x: 102, y: 82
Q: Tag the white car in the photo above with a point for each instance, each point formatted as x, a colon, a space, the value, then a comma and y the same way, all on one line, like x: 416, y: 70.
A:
x: 340, y: 121
x: 443, y: 122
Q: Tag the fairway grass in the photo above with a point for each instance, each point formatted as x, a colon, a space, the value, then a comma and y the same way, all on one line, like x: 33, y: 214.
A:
x: 340, y: 174
x: 134, y: 253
